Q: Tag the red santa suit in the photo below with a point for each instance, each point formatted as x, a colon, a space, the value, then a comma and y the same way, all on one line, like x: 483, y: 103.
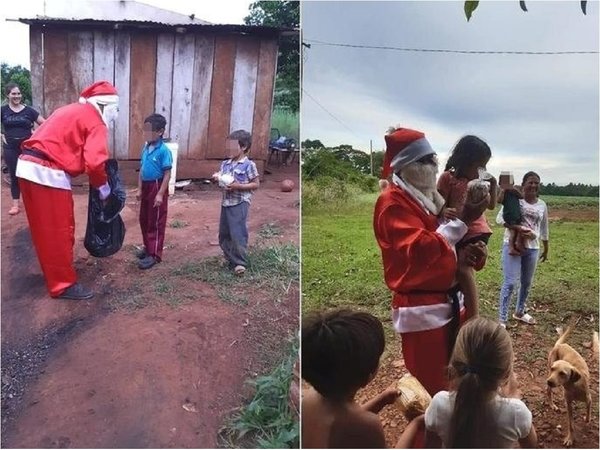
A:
x: 72, y: 141
x: 419, y: 263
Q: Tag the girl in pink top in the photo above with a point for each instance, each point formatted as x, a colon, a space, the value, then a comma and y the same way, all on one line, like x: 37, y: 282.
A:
x: 467, y: 163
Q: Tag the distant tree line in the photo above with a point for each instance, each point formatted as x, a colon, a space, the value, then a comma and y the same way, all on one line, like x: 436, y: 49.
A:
x: 571, y: 190
x: 345, y: 163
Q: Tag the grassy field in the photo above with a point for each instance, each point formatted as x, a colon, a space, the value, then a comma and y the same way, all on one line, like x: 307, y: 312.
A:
x: 341, y: 263
x: 287, y: 123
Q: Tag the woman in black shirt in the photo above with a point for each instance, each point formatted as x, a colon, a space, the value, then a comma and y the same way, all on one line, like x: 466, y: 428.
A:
x: 17, y: 123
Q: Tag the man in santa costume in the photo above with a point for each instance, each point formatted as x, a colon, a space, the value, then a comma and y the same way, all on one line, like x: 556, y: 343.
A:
x: 73, y: 140
x: 419, y: 258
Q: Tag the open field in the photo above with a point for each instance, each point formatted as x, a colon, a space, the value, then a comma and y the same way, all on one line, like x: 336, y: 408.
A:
x: 341, y: 267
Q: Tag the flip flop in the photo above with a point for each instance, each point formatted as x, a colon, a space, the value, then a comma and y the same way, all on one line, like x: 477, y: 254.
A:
x: 239, y: 270
x: 525, y: 318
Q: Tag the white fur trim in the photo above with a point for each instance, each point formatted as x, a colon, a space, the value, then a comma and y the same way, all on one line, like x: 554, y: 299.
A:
x: 393, y: 128
x: 408, y: 319
x: 82, y: 100
x: 104, y: 99
x: 43, y: 175
x: 453, y: 231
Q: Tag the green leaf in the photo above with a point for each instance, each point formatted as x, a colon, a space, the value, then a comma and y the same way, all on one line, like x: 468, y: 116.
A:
x: 470, y: 6
x: 523, y: 6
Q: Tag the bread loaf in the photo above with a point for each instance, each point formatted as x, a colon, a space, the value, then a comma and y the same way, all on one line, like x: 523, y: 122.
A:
x: 413, y: 399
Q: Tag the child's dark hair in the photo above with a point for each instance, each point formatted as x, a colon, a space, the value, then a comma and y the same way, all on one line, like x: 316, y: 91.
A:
x: 481, y: 361
x: 9, y: 87
x: 340, y: 351
x: 468, y: 150
x: 157, y: 121
x: 243, y: 137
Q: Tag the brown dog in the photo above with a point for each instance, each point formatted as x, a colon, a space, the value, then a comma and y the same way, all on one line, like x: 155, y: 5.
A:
x: 569, y: 370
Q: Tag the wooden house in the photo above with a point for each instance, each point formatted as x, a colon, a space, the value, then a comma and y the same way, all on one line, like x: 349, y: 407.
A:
x: 206, y: 79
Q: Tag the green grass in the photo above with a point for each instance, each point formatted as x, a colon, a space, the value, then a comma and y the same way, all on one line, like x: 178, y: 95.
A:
x: 274, y: 268
x: 287, y: 123
x: 267, y: 421
x: 341, y: 265
x: 178, y: 224
x: 270, y: 230
x: 570, y: 202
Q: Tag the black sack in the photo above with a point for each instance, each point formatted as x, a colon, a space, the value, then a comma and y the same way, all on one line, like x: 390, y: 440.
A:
x: 105, y: 230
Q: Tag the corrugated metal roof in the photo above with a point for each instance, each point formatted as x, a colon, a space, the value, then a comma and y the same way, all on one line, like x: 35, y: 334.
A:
x: 117, y: 14
x: 109, y: 10
x: 139, y: 24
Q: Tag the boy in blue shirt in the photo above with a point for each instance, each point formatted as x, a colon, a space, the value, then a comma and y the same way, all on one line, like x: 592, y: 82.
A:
x: 153, y: 184
x: 238, y: 177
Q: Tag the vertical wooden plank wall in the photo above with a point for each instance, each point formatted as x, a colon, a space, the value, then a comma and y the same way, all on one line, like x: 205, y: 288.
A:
x: 80, y: 65
x: 164, y: 76
x: 220, y: 96
x: 142, y: 101
x: 200, y: 112
x: 104, y: 68
x: 244, y: 84
x: 205, y: 85
x: 267, y: 67
x: 181, y: 105
x: 56, y: 54
x: 122, y: 74
x: 37, y: 69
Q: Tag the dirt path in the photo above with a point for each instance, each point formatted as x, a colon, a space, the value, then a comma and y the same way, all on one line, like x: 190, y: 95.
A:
x: 531, y: 375
x: 117, y: 371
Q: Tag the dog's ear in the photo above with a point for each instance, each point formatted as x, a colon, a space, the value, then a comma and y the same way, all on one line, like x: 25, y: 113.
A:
x: 575, y: 375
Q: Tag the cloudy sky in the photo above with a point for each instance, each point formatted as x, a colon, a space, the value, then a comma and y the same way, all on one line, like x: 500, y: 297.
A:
x: 229, y: 12
x: 537, y: 112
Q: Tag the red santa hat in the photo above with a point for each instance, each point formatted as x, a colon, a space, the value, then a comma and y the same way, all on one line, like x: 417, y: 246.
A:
x: 403, y: 146
x: 101, y: 92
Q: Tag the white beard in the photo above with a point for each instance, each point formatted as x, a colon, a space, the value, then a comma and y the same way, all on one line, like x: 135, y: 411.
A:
x: 110, y: 113
x: 421, y: 181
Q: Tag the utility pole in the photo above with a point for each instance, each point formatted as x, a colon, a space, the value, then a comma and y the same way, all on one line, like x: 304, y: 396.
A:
x: 371, y: 153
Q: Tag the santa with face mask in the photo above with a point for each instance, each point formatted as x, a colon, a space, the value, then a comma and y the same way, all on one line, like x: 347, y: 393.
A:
x: 419, y: 257
x: 72, y: 141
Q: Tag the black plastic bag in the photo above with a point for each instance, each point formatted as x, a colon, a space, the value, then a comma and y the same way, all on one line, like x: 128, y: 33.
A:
x: 105, y: 230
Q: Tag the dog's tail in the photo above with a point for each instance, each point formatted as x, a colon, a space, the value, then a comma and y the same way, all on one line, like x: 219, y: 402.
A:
x: 564, y: 334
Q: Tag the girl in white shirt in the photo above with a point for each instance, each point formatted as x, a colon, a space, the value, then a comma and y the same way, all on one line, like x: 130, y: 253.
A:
x: 473, y: 414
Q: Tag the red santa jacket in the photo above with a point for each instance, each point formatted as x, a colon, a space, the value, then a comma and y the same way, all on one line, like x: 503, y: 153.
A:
x: 75, y: 138
x: 419, y: 263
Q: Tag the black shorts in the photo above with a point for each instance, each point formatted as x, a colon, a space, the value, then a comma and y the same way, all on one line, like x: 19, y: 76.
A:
x: 483, y: 237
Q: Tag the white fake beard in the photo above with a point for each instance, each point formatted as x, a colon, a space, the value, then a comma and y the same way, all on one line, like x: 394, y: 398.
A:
x: 422, y: 177
x: 110, y: 113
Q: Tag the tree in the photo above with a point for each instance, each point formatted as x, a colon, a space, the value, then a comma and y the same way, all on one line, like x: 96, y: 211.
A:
x: 284, y: 14
x: 471, y: 6
x: 308, y: 144
x: 19, y: 75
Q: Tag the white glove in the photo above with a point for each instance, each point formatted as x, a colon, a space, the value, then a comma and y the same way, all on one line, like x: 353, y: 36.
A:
x: 104, y: 191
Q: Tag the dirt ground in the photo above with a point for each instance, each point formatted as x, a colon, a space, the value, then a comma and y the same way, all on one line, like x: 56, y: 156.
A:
x: 531, y: 375
x: 90, y: 374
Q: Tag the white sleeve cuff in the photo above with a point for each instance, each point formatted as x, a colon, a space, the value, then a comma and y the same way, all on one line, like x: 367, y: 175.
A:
x: 104, y: 191
x: 453, y: 231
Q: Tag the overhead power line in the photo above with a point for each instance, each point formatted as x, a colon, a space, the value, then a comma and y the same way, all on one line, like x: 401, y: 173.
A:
x: 442, y: 50
x: 334, y: 117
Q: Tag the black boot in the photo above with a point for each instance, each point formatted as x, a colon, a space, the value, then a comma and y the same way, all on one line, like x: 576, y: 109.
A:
x: 77, y: 292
